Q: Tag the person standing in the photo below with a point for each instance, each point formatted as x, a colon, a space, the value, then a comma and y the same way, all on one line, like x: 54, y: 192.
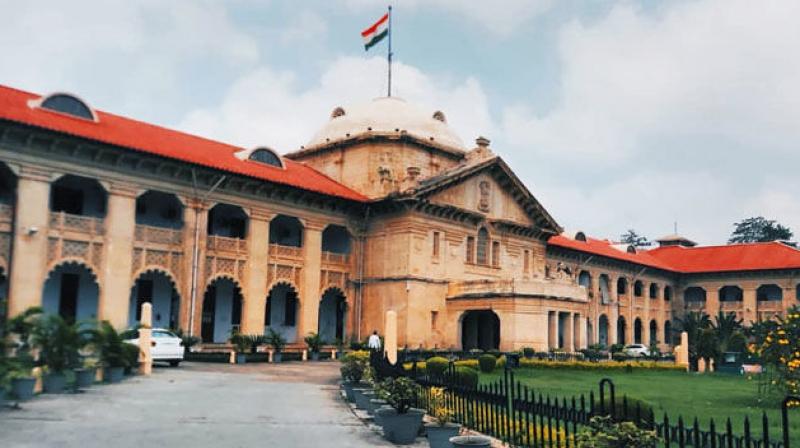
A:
x: 374, y: 342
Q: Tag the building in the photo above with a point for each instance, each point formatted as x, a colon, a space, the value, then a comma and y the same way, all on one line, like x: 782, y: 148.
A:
x: 384, y: 209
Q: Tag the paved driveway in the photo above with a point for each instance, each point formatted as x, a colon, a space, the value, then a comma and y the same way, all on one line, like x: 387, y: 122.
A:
x: 196, y: 405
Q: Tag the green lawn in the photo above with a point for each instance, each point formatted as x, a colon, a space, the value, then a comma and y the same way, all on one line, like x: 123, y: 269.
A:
x: 677, y: 393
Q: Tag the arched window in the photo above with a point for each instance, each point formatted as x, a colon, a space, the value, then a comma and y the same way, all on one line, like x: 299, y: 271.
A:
x: 769, y: 292
x: 68, y: 104
x: 694, y: 294
x: 483, y: 246
x: 622, y: 285
x: 266, y: 156
x: 638, y: 288
x: 605, y: 289
x: 731, y: 293
x: 653, y: 290
x: 667, y: 293
x: 668, y: 332
x: 585, y: 279
x: 797, y: 292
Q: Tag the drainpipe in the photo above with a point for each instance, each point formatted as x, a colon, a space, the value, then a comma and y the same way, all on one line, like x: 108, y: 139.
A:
x: 196, y: 244
x: 361, y: 255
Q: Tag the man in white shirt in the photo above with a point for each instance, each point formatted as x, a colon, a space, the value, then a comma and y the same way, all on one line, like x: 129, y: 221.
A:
x: 374, y: 342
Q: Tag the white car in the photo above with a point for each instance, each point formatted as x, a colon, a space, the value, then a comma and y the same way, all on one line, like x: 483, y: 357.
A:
x: 165, y: 346
x: 637, y: 350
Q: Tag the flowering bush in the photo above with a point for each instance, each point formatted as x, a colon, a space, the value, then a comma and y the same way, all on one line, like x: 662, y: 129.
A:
x: 606, y: 365
x: 438, y: 405
x: 779, y: 346
x: 603, y: 432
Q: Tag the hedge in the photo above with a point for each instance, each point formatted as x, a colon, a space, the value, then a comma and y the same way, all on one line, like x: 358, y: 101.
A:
x: 487, y: 363
x: 436, y: 366
x: 606, y: 365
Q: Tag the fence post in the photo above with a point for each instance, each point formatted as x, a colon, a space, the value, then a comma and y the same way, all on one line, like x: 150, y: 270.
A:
x: 785, y: 417
x: 603, y: 383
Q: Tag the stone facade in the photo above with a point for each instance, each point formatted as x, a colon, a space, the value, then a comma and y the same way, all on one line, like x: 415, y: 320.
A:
x: 447, y: 238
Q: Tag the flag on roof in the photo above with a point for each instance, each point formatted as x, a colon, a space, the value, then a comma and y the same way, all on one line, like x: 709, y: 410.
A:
x: 376, y: 32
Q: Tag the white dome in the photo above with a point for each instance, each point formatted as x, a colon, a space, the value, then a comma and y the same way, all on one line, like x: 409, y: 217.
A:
x: 386, y: 115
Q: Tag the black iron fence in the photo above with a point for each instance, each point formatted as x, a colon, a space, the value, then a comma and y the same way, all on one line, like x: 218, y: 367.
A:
x: 521, y: 417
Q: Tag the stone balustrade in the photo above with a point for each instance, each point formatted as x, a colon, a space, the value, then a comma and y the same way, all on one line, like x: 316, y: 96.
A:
x: 66, y: 222
x: 216, y: 243
x: 290, y: 252
x: 511, y: 287
x: 158, y: 235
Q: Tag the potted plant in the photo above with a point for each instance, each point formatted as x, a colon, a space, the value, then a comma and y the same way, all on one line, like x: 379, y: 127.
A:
x: 277, y: 342
x: 86, y: 373
x: 130, y: 354
x: 401, y: 422
x: 352, y: 371
x: 110, y: 348
x: 339, y: 348
x: 20, y: 365
x: 59, y: 343
x: 314, y: 342
x: 241, y: 344
x: 441, y: 430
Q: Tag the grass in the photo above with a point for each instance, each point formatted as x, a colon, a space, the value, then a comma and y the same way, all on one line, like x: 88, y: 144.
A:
x: 689, y: 395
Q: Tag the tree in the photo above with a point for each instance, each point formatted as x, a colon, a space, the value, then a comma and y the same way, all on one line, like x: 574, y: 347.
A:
x: 759, y: 230
x: 695, y: 324
x: 728, y: 333
x: 632, y: 238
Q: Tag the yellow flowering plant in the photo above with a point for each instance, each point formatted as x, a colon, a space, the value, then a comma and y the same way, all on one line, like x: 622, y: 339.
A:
x: 779, y: 346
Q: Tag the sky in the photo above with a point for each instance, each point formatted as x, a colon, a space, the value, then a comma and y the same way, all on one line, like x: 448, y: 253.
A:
x: 616, y: 114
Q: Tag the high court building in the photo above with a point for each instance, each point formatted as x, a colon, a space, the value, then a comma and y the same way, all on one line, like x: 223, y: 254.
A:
x: 384, y: 209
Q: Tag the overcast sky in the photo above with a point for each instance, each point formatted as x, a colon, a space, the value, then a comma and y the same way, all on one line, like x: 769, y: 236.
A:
x: 616, y: 114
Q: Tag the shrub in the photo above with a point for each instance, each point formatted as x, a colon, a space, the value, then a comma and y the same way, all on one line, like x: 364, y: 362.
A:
x: 59, y: 342
x: 436, y: 366
x: 615, y: 348
x: 603, y: 432
x: 130, y: 355
x: 601, y: 366
x: 314, y: 342
x: 276, y: 340
x: 466, y: 376
x: 501, y: 362
x: 528, y: 352
x: 625, y: 409
x: 240, y: 342
x: 352, y: 371
x: 400, y: 393
x: 110, y: 345
x: 472, y: 363
x: 487, y: 363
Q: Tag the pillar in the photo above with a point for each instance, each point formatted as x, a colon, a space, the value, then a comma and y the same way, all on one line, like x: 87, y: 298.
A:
x: 312, y: 263
x: 712, y: 300
x: 552, y: 329
x: 29, y: 257
x: 390, y: 336
x: 145, y: 336
x: 569, y: 333
x: 581, y: 341
x: 255, y: 277
x: 120, y: 223
x: 613, y: 316
x: 749, y: 304
x: 195, y: 219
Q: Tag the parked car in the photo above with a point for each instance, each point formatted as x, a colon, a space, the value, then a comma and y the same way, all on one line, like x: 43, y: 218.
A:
x: 636, y: 350
x: 165, y: 345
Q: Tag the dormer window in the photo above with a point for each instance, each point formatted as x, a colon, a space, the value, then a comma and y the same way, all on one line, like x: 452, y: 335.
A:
x: 68, y: 104
x: 266, y: 156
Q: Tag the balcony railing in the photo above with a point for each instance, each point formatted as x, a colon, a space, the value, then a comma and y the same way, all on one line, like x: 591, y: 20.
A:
x: 158, y: 235
x: 695, y: 305
x: 279, y: 251
x: 334, y: 258
x: 770, y: 305
x: 733, y: 305
x: 76, y: 223
x: 517, y: 287
x: 226, y: 244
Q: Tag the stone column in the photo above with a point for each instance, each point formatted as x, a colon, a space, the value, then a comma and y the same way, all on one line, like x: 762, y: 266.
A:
x: 613, y: 316
x: 195, y: 218
x: 581, y: 340
x: 569, y: 333
x: 552, y: 329
x: 749, y: 304
x: 145, y: 336
x: 390, y: 336
x: 312, y: 263
x: 712, y: 300
x: 29, y: 257
x: 120, y: 224
x: 255, y: 281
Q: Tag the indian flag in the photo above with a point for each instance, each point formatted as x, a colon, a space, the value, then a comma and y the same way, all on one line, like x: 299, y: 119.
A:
x: 376, y: 32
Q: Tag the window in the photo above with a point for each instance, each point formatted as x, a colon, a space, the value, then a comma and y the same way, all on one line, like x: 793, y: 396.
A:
x: 290, y: 310
x: 435, y: 244
x: 526, y: 261
x: 769, y: 292
x: 434, y: 319
x: 496, y: 254
x: 483, y: 246
x: 68, y: 104
x: 637, y: 288
x: 653, y: 291
x: 470, y: 249
x: 622, y: 286
x: 667, y: 293
x: 266, y: 156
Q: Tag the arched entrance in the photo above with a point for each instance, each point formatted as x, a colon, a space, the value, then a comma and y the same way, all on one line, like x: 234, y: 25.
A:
x: 156, y: 288
x: 332, y: 313
x: 637, y: 331
x: 653, y: 332
x: 281, y: 311
x: 602, y: 330
x: 621, y: 339
x: 71, y: 291
x: 222, y: 310
x: 480, y: 329
x: 668, y: 332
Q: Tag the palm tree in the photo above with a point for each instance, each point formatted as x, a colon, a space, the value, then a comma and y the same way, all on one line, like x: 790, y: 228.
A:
x: 693, y: 324
x: 729, y: 334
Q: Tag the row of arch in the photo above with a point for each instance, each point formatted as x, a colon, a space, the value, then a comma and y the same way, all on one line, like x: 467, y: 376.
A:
x: 71, y: 290
x: 623, y: 337
x: 585, y: 280
x: 734, y: 293
x: 83, y: 196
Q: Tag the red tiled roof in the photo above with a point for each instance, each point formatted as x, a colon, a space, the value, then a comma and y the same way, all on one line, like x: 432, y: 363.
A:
x: 143, y: 137
x: 733, y: 257
x: 688, y: 260
x: 603, y: 248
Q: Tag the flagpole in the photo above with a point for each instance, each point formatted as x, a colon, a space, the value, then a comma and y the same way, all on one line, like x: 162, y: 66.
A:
x: 389, y: 56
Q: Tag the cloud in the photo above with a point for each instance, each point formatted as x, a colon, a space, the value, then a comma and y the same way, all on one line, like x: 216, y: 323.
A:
x: 268, y: 107
x: 500, y: 17
x: 707, y: 87
x: 305, y: 26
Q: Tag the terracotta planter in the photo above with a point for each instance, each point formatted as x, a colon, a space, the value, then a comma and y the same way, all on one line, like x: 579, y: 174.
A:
x: 471, y: 441
x: 22, y: 388
x: 439, y: 436
x: 401, y: 429
x: 54, y: 383
x: 84, y: 377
